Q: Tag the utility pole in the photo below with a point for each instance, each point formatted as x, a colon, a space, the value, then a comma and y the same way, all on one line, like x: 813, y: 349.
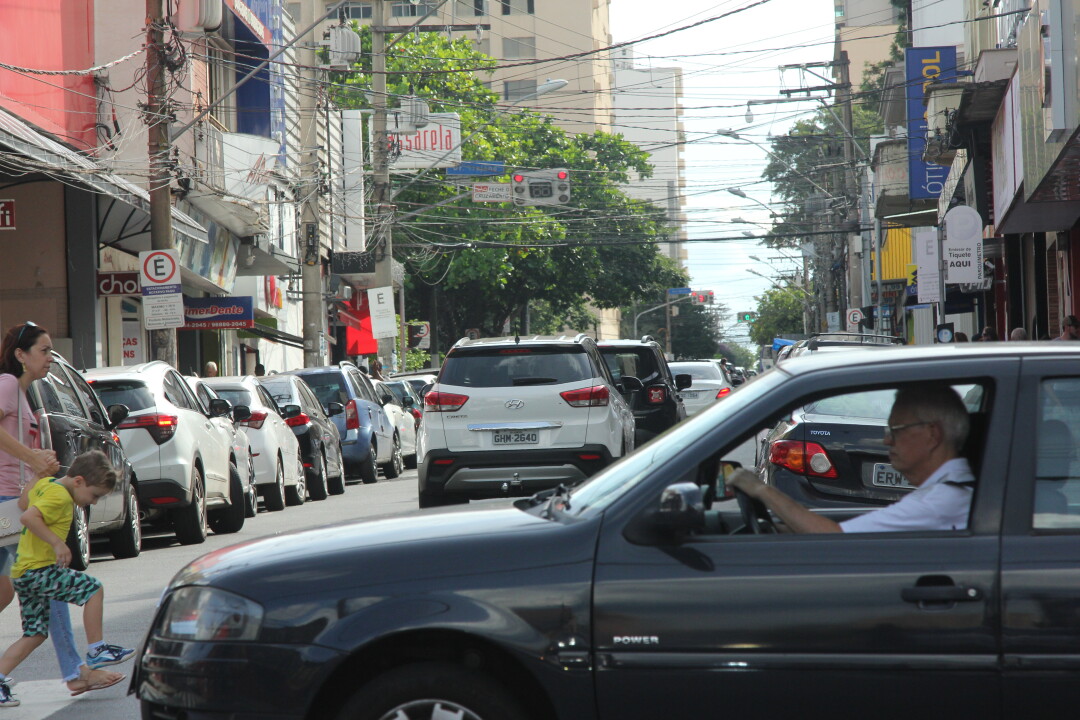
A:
x: 162, y: 342
x: 851, y: 186
x: 382, y: 240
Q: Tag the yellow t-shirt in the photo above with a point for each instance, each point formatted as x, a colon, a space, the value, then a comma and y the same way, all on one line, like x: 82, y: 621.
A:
x: 56, y: 506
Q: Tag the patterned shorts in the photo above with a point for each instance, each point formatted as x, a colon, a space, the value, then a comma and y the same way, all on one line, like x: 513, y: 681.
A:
x: 37, y: 587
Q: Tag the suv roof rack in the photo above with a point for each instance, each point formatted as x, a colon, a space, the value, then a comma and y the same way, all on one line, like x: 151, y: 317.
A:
x: 835, y: 339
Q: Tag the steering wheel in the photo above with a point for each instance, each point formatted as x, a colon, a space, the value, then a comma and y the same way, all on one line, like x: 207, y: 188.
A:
x: 754, y: 514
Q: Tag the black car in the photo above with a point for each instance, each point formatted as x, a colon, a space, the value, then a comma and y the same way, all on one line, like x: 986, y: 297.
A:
x: 640, y: 595
x: 72, y: 421
x: 320, y: 444
x: 658, y: 406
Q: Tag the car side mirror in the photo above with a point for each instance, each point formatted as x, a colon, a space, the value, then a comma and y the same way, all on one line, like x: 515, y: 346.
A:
x: 386, y: 399
x: 632, y: 384
x: 334, y: 408
x: 290, y: 411
x: 117, y: 414
x: 680, y: 512
x: 240, y: 413
x: 219, y: 407
x: 406, y: 402
x: 683, y: 381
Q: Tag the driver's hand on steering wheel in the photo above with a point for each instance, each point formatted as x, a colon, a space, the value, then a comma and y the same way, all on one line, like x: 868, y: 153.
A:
x: 746, y: 481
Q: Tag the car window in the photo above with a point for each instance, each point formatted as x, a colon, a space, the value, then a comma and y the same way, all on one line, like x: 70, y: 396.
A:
x: 90, y: 400
x: 315, y: 405
x: 235, y: 396
x: 328, y: 387
x: 698, y: 371
x: 1057, y: 470
x: 635, y: 362
x: 281, y: 391
x: 203, y: 396
x: 875, y: 404
x: 67, y: 397
x: 174, y: 392
x: 131, y: 393
x: 366, y: 387
x: 266, y: 399
x: 516, y: 366
x: 600, y: 368
x: 398, y: 391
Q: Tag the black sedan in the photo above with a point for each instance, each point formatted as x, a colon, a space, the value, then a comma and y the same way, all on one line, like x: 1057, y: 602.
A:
x: 320, y: 442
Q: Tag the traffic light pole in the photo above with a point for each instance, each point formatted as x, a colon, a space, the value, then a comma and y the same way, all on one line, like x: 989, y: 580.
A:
x: 667, y: 304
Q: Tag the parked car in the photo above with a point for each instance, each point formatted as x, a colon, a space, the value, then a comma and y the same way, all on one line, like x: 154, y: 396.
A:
x: 419, y: 379
x: 228, y: 424
x: 659, y: 404
x: 408, y: 398
x: 405, y: 427
x: 638, y: 594
x: 72, y: 420
x: 181, y: 461
x: 274, y: 447
x: 367, y: 437
x: 710, y: 384
x: 316, y: 433
x: 511, y: 416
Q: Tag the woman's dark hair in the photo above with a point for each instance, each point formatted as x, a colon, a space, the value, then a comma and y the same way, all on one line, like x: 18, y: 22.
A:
x: 21, y: 337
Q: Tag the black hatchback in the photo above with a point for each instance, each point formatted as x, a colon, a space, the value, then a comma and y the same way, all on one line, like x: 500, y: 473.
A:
x: 658, y: 405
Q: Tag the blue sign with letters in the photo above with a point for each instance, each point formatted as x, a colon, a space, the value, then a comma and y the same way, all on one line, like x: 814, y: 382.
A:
x: 486, y: 167
x: 679, y: 291
x: 922, y: 66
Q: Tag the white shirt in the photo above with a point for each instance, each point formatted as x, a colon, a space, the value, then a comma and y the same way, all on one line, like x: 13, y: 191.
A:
x: 938, y: 504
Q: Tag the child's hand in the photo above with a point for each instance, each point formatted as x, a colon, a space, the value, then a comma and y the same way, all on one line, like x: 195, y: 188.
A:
x: 63, y: 554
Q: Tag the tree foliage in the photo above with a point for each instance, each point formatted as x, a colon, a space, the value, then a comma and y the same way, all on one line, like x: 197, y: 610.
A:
x: 779, y: 312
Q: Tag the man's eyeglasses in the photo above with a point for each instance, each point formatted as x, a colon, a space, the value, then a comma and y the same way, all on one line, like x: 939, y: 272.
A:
x: 891, y: 430
x: 27, y: 324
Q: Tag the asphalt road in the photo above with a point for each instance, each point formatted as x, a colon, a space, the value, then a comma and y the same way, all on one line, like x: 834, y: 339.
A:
x: 132, y: 589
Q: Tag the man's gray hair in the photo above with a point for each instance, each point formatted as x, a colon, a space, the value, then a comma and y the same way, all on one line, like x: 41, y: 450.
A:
x: 940, y: 404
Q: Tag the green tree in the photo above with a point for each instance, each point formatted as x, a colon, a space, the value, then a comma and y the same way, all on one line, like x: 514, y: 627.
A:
x: 779, y: 312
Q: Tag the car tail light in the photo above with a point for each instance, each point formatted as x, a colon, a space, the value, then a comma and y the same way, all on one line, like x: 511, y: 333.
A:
x: 656, y: 395
x: 255, y: 422
x: 297, y: 421
x: 808, y: 459
x: 595, y: 396
x: 160, y: 427
x: 352, y: 418
x: 436, y: 401
x: 723, y: 392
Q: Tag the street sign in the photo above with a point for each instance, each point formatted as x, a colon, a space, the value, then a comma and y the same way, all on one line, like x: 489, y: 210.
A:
x: 163, y: 301
x: 381, y: 305
x: 491, y: 192
x: 494, y: 167
x: 679, y: 291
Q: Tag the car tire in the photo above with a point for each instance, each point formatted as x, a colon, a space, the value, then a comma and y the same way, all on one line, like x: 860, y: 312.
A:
x: 393, y: 468
x: 251, y: 494
x: 78, y: 540
x: 230, y: 519
x: 317, y: 479
x: 336, y: 484
x: 411, y: 460
x: 274, y: 495
x: 369, y: 471
x: 432, y: 689
x: 297, y: 494
x: 126, y: 541
x: 190, y: 522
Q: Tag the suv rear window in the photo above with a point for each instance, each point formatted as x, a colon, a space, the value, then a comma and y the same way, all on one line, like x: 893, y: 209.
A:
x: 515, y: 366
x: 633, y: 362
x: 132, y: 393
x: 328, y: 387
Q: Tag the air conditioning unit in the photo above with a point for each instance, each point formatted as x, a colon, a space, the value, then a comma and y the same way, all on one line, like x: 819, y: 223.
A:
x: 413, y: 115
x: 344, y: 48
x: 197, y: 16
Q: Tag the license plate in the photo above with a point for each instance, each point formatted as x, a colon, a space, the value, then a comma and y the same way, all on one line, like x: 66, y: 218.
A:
x: 515, y: 438
x: 691, y: 395
x: 886, y: 475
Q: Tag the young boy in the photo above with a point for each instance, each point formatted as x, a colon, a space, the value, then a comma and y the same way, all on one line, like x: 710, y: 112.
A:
x: 41, y: 571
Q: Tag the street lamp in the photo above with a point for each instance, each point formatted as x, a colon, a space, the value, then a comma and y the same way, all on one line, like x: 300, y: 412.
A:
x: 723, y: 132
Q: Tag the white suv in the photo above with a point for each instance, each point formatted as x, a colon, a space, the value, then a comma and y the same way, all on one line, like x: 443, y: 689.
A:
x: 181, y: 461
x: 511, y: 416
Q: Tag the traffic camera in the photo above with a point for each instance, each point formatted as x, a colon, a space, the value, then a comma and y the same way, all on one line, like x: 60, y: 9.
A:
x: 541, y: 187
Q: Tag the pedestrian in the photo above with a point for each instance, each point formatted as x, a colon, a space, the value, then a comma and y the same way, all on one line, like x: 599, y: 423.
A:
x: 960, y: 337
x: 42, y: 574
x: 989, y: 334
x: 1018, y: 334
x: 210, y: 370
x: 260, y: 370
x: 1070, y: 330
x: 26, y: 354
x: 376, y: 369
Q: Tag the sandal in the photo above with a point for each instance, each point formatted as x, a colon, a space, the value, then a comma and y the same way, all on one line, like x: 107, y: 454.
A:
x: 98, y: 685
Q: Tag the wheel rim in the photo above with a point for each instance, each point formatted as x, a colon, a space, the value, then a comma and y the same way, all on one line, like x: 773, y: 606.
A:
x: 429, y: 710
x: 301, y: 483
x: 322, y: 470
x: 200, y: 499
x: 398, y: 462
x: 279, y: 481
x: 84, y: 535
x: 133, y: 519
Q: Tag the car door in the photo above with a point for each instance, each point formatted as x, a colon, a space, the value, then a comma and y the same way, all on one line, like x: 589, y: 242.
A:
x: 208, y: 439
x: 1041, y: 543
x: 380, y: 422
x: 284, y: 437
x: 774, y: 626
x: 110, y: 508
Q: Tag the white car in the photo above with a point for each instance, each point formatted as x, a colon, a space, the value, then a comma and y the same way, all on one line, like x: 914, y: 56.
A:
x: 403, y: 421
x: 709, y: 384
x: 228, y: 424
x: 274, y: 448
x: 512, y: 416
x: 181, y: 461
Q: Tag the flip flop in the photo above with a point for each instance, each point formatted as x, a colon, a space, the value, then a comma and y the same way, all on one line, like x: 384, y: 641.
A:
x: 99, y: 686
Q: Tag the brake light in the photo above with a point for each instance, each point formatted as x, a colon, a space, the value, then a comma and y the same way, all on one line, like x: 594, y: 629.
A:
x: 255, y: 422
x: 595, y: 396
x: 723, y: 392
x: 436, y: 401
x: 160, y: 427
x: 808, y: 459
x: 352, y: 419
x: 656, y: 394
x: 301, y: 419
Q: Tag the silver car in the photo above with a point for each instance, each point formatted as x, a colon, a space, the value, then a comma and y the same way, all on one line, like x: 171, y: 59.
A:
x: 709, y: 384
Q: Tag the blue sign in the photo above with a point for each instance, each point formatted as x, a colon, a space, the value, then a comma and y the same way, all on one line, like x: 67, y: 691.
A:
x: 679, y: 291
x: 922, y: 66
x: 493, y: 167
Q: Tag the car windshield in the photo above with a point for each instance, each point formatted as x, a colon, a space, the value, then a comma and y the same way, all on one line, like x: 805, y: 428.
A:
x: 398, y: 390
x: 875, y: 404
x: 515, y: 366
x: 132, y: 393
x: 612, y: 483
x: 280, y: 390
x: 235, y: 396
x: 328, y: 387
x: 624, y: 362
x: 698, y: 371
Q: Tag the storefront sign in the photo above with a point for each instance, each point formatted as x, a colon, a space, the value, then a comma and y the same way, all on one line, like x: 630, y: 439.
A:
x: 924, y: 65
x: 7, y: 214
x: 438, y: 145
x: 134, y: 343
x: 111, y: 284
x: 963, y: 247
x: 491, y: 192
x: 224, y: 313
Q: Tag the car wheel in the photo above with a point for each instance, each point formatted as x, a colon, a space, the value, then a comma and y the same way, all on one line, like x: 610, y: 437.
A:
x: 190, y: 522
x: 78, y: 540
x: 393, y: 468
x: 369, y: 471
x: 336, y: 484
x: 251, y: 493
x: 432, y: 690
x: 317, y: 480
x: 126, y: 541
x: 230, y: 519
x: 297, y: 494
x: 274, y: 495
x: 410, y: 461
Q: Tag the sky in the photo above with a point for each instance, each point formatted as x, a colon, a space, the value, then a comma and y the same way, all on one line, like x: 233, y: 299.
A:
x: 726, y: 63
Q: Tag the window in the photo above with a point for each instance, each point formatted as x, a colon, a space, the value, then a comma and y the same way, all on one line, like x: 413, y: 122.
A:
x: 135, y: 395
x: 175, y: 394
x: 518, y: 89
x: 483, y: 45
x: 355, y: 10
x: 514, y: 367
x: 1057, y: 474
x: 519, y: 47
x: 407, y: 9
x: 328, y: 387
x: 220, y: 70
x: 66, y: 400
x: 518, y: 7
x: 97, y: 413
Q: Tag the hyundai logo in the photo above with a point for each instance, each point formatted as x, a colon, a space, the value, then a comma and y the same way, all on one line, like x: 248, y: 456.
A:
x: 515, y: 404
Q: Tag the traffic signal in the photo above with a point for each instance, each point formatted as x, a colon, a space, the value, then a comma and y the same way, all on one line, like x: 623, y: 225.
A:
x: 747, y: 316
x: 701, y: 297
x: 541, y: 187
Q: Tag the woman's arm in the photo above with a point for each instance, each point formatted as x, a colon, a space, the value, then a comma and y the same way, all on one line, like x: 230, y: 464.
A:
x: 40, y: 462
